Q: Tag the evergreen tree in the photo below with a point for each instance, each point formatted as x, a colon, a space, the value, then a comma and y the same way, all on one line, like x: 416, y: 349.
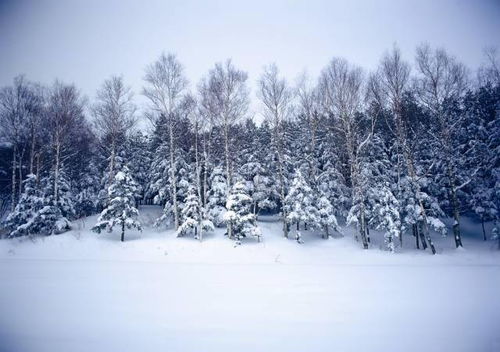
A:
x: 239, y: 213
x: 260, y: 185
x: 120, y: 210
x: 385, y: 214
x: 299, y: 203
x: 21, y: 221
x: 193, y: 217
x: 139, y: 161
x: 217, y: 195
x: 326, y: 216
x: 163, y: 177
x: 87, y: 196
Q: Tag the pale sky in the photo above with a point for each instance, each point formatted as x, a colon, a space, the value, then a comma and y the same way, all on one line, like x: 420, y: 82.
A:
x: 85, y: 42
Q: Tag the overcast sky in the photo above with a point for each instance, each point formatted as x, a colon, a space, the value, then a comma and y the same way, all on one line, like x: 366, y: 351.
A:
x: 86, y: 41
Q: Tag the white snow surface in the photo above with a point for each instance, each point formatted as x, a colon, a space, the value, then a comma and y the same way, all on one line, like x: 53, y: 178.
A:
x: 81, y: 291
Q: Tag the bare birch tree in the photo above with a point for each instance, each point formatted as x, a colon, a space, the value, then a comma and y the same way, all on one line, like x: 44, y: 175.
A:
x: 489, y: 72
x: 165, y: 85
x: 276, y: 97
x: 189, y: 109
x: 21, y: 110
x: 393, y: 79
x: 224, y: 98
x: 443, y: 80
x: 65, y: 114
x: 113, y: 116
x: 308, y: 105
x: 341, y: 89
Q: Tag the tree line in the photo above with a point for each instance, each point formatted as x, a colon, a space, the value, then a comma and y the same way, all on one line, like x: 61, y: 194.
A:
x: 397, y: 150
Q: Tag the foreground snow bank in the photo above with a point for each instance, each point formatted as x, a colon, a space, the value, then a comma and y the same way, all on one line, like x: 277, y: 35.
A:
x: 85, y: 292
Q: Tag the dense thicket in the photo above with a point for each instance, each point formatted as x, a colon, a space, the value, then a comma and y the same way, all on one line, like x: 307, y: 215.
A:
x: 397, y: 150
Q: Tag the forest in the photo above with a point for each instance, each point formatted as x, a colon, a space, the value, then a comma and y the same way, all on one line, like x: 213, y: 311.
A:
x: 397, y: 150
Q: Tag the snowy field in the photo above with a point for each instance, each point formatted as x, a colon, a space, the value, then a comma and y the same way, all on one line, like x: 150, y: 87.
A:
x: 80, y: 291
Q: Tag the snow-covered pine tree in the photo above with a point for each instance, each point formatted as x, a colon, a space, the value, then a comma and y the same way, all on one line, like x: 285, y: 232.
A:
x: 65, y: 201
x: 239, y: 213
x: 482, y: 126
x: 139, y: 161
x: 158, y: 189
x: 39, y: 213
x: 47, y: 216
x: 87, y: 195
x: 183, y: 175
x: 120, y: 209
x: 163, y: 178
x: 329, y: 179
x: 326, y: 216
x: 263, y: 191
x: 217, y: 195
x: 385, y: 214
x: 193, y: 217
x: 299, y: 203
x: 20, y: 221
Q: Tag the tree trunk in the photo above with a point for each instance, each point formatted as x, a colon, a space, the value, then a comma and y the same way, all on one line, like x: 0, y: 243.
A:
x: 112, y: 163
x: 205, y: 172
x: 456, y: 213
x: 228, y: 172
x: 13, y: 194
x: 20, y: 168
x: 32, y: 151
x: 282, y: 191
x: 38, y: 156
x: 415, y: 233
x: 362, y: 228
x: 123, y: 231
x: 429, y: 239
x: 482, y: 225
x: 422, y: 238
x: 198, y: 178
x: 56, y: 172
x: 173, y: 181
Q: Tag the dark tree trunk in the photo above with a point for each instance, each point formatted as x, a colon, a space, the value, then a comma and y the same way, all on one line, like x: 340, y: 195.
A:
x: 431, y: 244
x: 422, y: 238
x: 482, y: 225
x: 415, y: 233
x: 13, y: 191
x: 123, y: 231
x: 363, y: 237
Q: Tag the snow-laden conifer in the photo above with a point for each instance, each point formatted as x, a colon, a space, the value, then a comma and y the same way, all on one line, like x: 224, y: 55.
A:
x: 239, y: 213
x: 120, y: 210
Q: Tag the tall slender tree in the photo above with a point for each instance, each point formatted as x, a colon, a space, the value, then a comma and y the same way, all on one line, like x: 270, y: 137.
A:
x: 165, y: 85
x: 224, y: 98
x: 276, y: 97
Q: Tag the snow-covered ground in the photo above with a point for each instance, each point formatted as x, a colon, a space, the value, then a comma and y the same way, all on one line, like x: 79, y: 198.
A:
x: 80, y: 291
